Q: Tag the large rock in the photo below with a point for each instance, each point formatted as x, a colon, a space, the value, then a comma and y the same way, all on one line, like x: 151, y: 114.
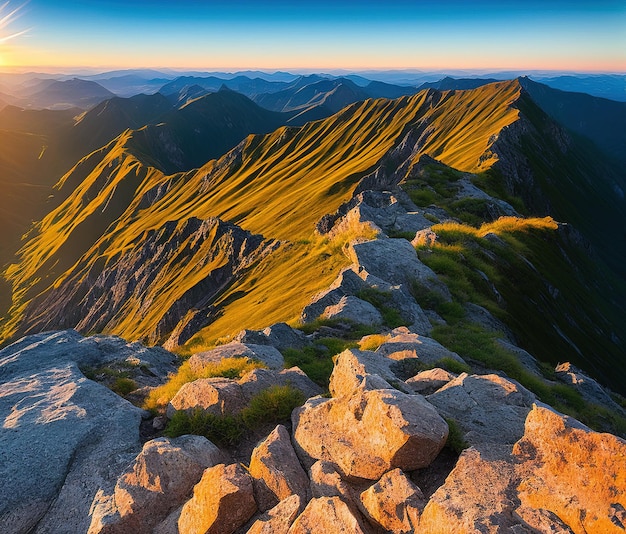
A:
x: 394, y: 503
x: 326, y: 481
x: 488, y: 408
x: 222, y: 501
x: 160, y: 479
x: 404, y: 344
x: 277, y: 470
x: 267, y: 354
x: 355, y: 310
x: 279, y: 519
x: 370, y: 432
x: 429, y: 381
x: 352, y: 366
x: 560, y: 477
x: 329, y: 515
x: 589, y: 389
x: 218, y: 396
x: 575, y: 473
x: 279, y: 335
x: 394, y: 260
x: 63, y: 438
x: 256, y: 380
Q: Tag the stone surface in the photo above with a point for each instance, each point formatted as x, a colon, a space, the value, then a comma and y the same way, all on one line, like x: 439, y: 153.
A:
x: 63, y: 438
x: 488, y: 408
x: 278, y: 519
x: 352, y: 366
x: 218, y: 396
x: 404, y: 344
x: 429, y: 381
x: 276, y: 470
x: 575, y: 473
x: 353, y: 309
x: 256, y: 380
x: 222, y: 501
x: 369, y: 432
x: 589, y: 389
x: 394, y: 503
x: 326, y: 481
x: 282, y: 336
x: 159, y: 479
x: 269, y: 355
x: 329, y: 515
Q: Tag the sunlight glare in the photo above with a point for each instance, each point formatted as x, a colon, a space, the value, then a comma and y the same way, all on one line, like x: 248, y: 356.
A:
x: 6, y: 20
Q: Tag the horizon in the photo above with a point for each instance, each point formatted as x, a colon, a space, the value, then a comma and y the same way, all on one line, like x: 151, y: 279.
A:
x: 346, y: 36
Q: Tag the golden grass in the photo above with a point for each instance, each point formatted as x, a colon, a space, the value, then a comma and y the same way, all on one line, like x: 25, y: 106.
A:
x: 228, y: 367
x: 277, y: 185
x: 372, y: 342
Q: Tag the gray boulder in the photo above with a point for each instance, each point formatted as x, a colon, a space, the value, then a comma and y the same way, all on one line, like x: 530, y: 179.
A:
x: 355, y: 310
x: 63, y: 438
x: 269, y: 355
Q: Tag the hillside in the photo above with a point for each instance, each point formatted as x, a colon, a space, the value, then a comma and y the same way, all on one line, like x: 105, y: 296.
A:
x: 449, y: 301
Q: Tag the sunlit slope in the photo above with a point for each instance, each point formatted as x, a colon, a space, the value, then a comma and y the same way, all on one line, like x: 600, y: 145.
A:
x: 276, y: 185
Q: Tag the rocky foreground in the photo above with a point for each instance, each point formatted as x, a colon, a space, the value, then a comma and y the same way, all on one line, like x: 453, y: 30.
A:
x: 399, y: 443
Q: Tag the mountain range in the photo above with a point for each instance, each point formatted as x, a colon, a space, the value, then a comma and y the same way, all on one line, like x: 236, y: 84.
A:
x: 277, y: 303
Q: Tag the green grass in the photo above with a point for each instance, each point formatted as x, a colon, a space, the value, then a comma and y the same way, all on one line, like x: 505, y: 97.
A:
x: 383, y: 302
x: 317, y: 360
x: 455, y: 442
x: 272, y: 405
x: 123, y: 386
x: 227, y: 367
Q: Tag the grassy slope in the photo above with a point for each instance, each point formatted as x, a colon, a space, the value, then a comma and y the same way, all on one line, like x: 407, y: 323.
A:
x: 278, y: 185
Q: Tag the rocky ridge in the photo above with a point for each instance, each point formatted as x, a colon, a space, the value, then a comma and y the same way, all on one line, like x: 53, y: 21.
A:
x: 395, y: 447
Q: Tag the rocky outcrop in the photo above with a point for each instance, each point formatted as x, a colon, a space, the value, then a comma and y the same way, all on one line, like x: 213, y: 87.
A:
x: 225, y: 396
x: 403, y: 344
x: 428, y: 382
x: 488, y: 408
x: 276, y: 470
x: 269, y: 355
x: 279, y: 519
x: 394, y: 503
x: 353, y: 309
x: 222, y: 501
x: 369, y: 432
x: 159, y: 480
x: 560, y: 477
x: 588, y: 388
x: 279, y: 335
x: 64, y: 438
x: 330, y: 515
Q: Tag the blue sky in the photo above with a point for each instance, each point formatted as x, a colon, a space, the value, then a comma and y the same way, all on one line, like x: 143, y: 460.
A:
x: 320, y: 35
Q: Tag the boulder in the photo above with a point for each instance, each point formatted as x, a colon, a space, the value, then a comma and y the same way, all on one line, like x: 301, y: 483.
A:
x: 369, y: 432
x: 355, y: 310
x: 282, y: 336
x: 571, y: 471
x: 477, y: 496
x: 256, y: 380
x: 394, y: 503
x: 352, y: 366
x: 269, y: 355
x: 276, y: 470
x: 488, y: 408
x: 218, y: 396
x: 394, y: 260
x: 159, y: 479
x: 404, y: 344
x: 278, y: 519
x: 63, y: 438
x: 329, y: 515
x: 222, y: 502
x: 429, y: 381
x: 326, y: 481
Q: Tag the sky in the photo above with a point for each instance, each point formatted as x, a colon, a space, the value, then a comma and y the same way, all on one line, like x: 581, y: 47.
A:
x: 320, y: 35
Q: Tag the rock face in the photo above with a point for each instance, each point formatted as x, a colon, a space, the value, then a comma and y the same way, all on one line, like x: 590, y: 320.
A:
x: 96, y: 297
x: 218, y: 396
x: 404, y: 344
x: 269, y: 355
x: 160, y: 479
x: 222, y: 501
x: 278, y: 519
x: 74, y: 434
x: 428, y: 382
x: 394, y: 503
x: 560, y: 477
x: 277, y: 471
x: 488, y: 408
x: 370, y: 432
x: 329, y: 515
x: 354, y: 309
